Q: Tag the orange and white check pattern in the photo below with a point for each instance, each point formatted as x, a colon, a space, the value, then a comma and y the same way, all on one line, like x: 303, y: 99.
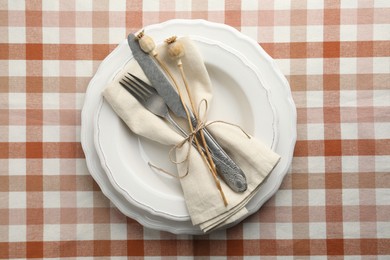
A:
x: 335, y: 201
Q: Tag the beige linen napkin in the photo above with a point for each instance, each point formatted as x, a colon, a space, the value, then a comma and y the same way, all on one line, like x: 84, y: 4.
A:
x: 202, y: 198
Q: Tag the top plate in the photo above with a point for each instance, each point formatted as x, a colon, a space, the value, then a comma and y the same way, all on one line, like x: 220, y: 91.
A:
x: 238, y: 97
x: 254, y: 54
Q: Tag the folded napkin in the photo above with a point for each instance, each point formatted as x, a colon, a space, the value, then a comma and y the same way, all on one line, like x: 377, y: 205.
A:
x: 203, y: 199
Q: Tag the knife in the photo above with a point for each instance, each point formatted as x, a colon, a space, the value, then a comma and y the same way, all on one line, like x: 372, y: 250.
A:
x: 230, y: 172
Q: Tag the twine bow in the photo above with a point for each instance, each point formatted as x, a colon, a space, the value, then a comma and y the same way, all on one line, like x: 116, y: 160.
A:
x: 190, y: 140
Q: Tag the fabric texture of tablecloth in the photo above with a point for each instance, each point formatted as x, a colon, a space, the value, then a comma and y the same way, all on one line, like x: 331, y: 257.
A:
x: 334, y: 201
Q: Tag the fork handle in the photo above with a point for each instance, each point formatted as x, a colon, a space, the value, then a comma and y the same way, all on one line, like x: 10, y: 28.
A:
x: 226, y: 167
x: 230, y: 172
x: 233, y: 176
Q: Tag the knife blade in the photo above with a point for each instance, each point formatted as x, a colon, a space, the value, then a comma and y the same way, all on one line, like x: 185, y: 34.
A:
x: 230, y: 172
x: 156, y: 77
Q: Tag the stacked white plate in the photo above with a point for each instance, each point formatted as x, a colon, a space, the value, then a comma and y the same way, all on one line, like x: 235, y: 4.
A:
x: 248, y: 90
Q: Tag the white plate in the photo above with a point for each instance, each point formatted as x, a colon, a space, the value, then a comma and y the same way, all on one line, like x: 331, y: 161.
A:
x: 238, y: 97
x: 263, y: 65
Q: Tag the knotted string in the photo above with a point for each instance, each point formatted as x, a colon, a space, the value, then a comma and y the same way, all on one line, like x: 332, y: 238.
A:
x: 190, y: 139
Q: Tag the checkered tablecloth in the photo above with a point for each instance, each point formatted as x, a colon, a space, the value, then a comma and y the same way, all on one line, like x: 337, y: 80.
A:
x: 334, y: 201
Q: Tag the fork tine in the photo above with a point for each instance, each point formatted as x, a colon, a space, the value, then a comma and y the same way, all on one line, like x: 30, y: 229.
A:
x: 146, y: 92
x: 133, y: 90
x: 142, y: 84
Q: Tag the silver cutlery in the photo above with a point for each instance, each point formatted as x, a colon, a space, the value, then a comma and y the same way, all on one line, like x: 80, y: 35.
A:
x: 152, y: 101
x: 149, y: 98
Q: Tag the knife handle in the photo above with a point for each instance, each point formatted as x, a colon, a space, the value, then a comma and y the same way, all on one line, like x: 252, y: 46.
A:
x: 230, y: 172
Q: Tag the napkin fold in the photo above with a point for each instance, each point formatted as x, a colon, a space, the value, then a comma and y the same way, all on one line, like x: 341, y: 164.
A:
x: 203, y: 199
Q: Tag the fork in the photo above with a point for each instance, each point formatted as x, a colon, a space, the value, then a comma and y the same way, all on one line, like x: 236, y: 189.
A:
x: 152, y: 101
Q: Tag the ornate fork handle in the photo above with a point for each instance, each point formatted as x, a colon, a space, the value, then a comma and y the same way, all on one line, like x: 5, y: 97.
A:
x: 226, y: 167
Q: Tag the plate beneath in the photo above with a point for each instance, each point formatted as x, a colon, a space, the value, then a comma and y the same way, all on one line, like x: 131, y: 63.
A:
x: 272, y: 79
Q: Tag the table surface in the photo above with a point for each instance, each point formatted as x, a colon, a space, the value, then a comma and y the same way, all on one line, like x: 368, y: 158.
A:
x: 334, y: 201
